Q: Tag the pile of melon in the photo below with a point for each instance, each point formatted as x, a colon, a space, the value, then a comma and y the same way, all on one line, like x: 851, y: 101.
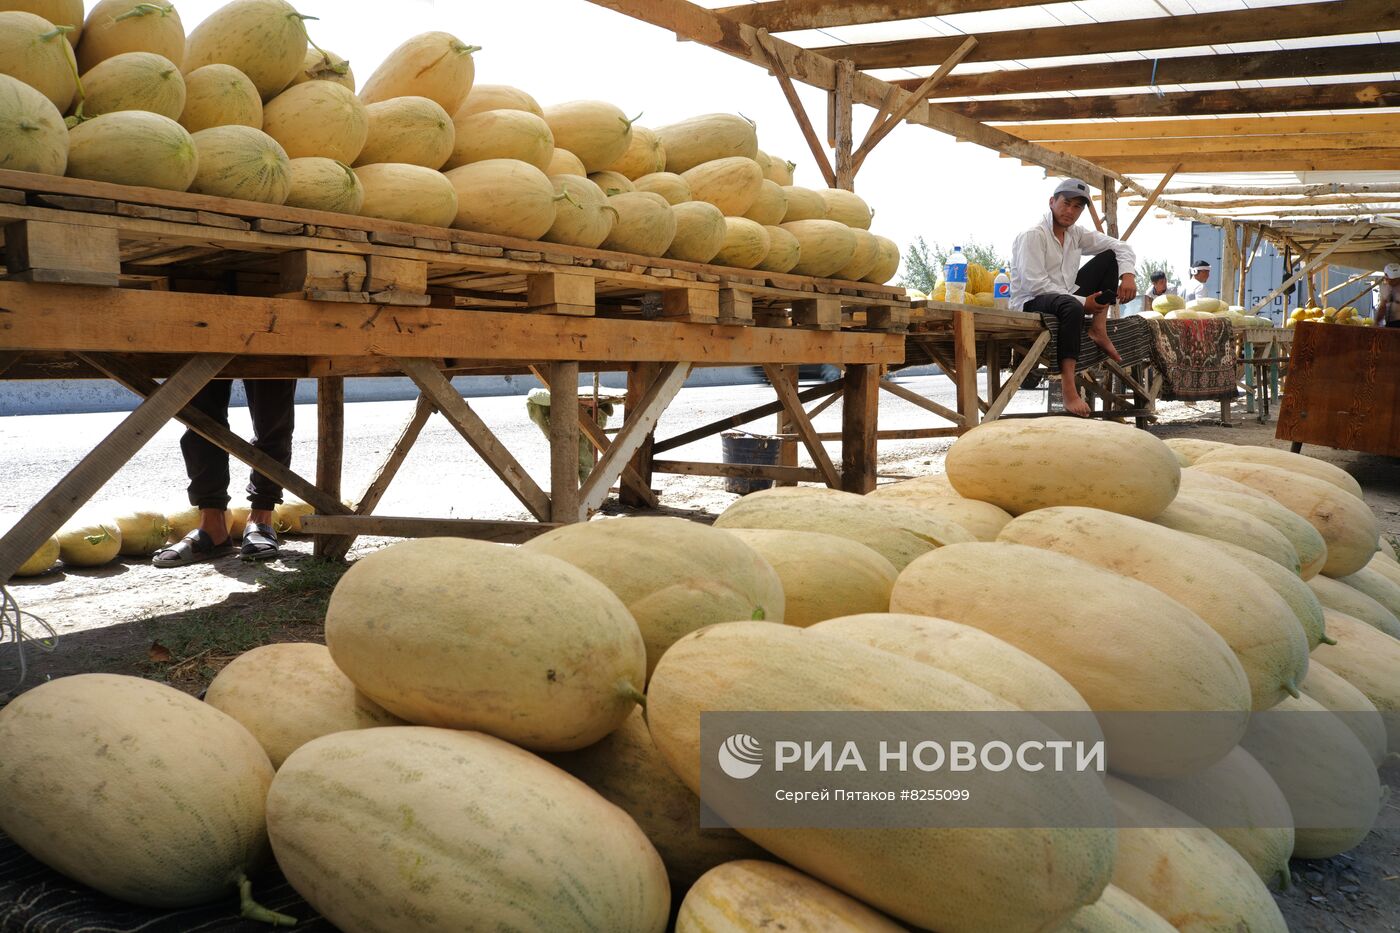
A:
x: 247, y: 106
x: 500, y: 737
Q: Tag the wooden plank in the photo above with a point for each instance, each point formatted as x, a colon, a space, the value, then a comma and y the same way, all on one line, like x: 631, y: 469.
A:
x: 563, y: 441
x: 560, y: 293
x: 330, y: 440
x: 965, y: 363
x: 784, y: 474
x: 1108, y: 149
x: 475, y: 432
x: 640, y: 376
x: 784, y: 427
x: 778, y: 67
x: 1300, y: 125
x: 820, y: 313
x: 797, y: 415
x: 395, y: 527
x: 305, y: 270
x: 111, y: 453
x: 697, y: 304
x: 63, y: 253
x: 927, y: 404
x: 882, y: 128
x: 1305, y: 20
x: 744, y: 417
x: 735, y: 306
x: 633, y: 435
x: 1018, y: 376
x: 1342, y: 389
x: 391, y: 274
x: 842, y: 132
x: 1152, y: 199
x: 860, y: 416
x: 902, y: 434
x: 789, y: 15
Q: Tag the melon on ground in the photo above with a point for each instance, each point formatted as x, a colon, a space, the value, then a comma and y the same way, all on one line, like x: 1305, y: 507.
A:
x: 1368, y: 660
x: 435, y: 65
x: 1306, y: 541
x: 827, y: 246
x: 746, y: 244
x: 117, y: 26
x: 823, y: 576
x: 645, y: 224
x: 318, y: 118
x: 324, y: 185
x: 497, y: 97
x: 132, y: 147
x: 700, y: 232
x: 1376, y: 584
x: 143, y: 531
x: 706, y: 138
x: 1116, y: 911
x: 134, y: 81
x: 1192, y: 448
x: 756, y: 895
x: 501, y: 134
x: 935, y: 494
x: 410, y: 194
x: 1350, y: 705
x: 264, y: 39
x: 505, y: 197
x: 32, y: 50
x: 596, y: 132
x: 1285, y: 460
x: 41, y: 561
x: 669, y: 185
x: 784, y: 251
x: 220, y: 95
x: 1222, y: 523
x: 1293, y: 589
x: 1341, y: 597
x: 243, y: 163
x: 33, y: 137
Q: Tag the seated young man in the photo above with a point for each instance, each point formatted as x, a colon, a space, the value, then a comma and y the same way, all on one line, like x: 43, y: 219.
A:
x: 1047, y: 280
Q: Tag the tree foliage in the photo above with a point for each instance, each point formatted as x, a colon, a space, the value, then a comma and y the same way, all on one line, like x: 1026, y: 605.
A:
x: 924, y: 261
x: 1148, y: 266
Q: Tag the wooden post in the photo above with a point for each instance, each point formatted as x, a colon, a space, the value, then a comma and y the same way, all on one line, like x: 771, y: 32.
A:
x: 330, y: 443
x: 787, y: 448
x: 563, y: 442
x: 965, y: 359
x: 845, y: 85
x: 860, y: 412
x: 1229, y: 258
x: 1110, y: 222
x: 639, y: 378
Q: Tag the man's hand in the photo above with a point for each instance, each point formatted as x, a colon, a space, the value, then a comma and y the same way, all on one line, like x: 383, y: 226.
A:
x: 1127, y: 288
x: 1092, y: 305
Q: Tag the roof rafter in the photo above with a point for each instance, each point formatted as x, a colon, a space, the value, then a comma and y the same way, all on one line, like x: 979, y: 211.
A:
x: 1206, y: 128
x: 788, y: 15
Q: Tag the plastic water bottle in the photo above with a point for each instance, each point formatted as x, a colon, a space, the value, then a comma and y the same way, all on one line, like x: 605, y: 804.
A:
x: 955, y: 274
x: 1001, y: 289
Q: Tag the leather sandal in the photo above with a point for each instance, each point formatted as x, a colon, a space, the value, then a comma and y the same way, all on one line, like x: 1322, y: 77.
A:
x: 259, y: 542
x: 193, y: 548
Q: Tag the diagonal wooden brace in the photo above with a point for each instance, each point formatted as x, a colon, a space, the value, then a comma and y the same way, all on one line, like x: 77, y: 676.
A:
x: 634, y: 433
x: 787, y: 394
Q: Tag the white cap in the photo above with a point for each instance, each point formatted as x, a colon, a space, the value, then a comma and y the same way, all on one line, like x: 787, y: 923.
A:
x: 1392, y: 270
x: 1074, y: 188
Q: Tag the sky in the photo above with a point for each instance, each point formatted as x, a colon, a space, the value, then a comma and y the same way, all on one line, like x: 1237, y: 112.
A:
x: 918, y: 181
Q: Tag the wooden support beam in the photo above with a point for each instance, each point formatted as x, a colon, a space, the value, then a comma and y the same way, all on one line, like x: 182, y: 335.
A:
x: 965, y: 359
x: 790, y: 15
x: 785, y: 428
x: 67, y: 254
x: 634, y: 433
x: 439, y: 390
x: 563, y: 442
x: 1108, y: 149
x: 787, y: 394
x: 1300, y: 160
x: 1018, y: 376
x: 901, y: 434
x: 1151, y: 199
x: 776, y: 65
x: 560, y: 293
x: 1229, y: 258
x: 927, y: 404
x: 788, y: 475
x: 1267, y: 200
x: 882, y: 128
x: 397, y: 527
x: 742, y: 418
x: 842, y: 131
x: 111, y: 453
x: 640, y: 376
x: 311, y: 270
x: 1300, y: 190
x: 1355, y: 278
x: 1177, y: 130
x: 860, y: 415
x: 330, y: 440
x: 1316, y: 260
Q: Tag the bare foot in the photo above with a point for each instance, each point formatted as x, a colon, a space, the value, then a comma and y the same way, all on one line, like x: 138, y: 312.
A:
x: 1101, y: 338
x: 1076, y: 406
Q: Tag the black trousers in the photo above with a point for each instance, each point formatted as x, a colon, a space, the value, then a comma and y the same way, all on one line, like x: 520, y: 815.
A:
x: 1099, y: 275
x: 271, y: 404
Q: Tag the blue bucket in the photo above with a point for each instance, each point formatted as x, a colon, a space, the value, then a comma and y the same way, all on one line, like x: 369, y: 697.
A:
x: 748, y: 449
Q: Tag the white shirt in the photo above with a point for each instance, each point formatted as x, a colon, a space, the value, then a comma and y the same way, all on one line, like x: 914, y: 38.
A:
x: 1040, y: 265
x: 1387, y: 303
x: 1150, y: 296
x: 1194, y: 289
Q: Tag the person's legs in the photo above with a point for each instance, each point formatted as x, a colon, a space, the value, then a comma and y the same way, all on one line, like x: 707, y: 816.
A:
x: 206, y: 464
x: 1099, y: 276
x: 1070, y: 315
x: 271, y: 405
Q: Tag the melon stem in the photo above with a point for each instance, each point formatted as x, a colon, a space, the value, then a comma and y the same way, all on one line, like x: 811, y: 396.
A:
x: 632, y: 693
x: 1327, y: 639
x: 1292, y: 689
x: 250, y: 909
x: 145, y: 9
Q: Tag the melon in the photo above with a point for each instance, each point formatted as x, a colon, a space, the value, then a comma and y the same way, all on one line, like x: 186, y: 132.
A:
x: 67, y: 13
x: 898, y: 533
x: 936, y: 878
x: 33, y: 137
x: 644, y: 156
x: 183, y: 521
x: 1289, y: 586
x: 41, y: 561
x: 1337, y: 695
x: 318, y: 118
x: 1368, y: 660
x: 695, y: 575
x: 564, y: 162
x: 1124, y: 646
x: 264, y: 39
x: 784, y: 251
x: 484, y: 622
x: 1285, y: 460
x: 583, y: 218
x: 243, y: 163
x: 1306, y: 541
x: 1116, y: 911
x: 189, y: 781
x: 142, y: 531
x: 290, y: 693
x: 1192, y: 447
x: 645, y: 224
x: 435, y: 65
x: 845, y: 207
x: 770, y: 205
x: 1222, y: 523
x: 827, y: 246
x: 863, y: 259
x: 321, y: 65
x: 134, y: 81
x: 117, y: 26
x: 700, y: 232
x: 746, y: 243
x: 628, y: 771
x: 324, y: 185
x: 1184, y: 872
x: 506, y: 197
x: 823, y: 576
x: 1323, y: 770
x: 501, y: 134
x: 1377, y: 585
x: 706, y: 138
x: 408, y: 130
x: 732, y: 184
x: 982, y: 519
x: 132, y: 147
x: 779, y: 171
x: 34, y: 51
x: 886, y: 261
x: 1338, y: 596
x: 220, y: 95
x: 1344, y: 521
x: 749, y: 896
x: 803, y: 204
x: 670, y: 186
x: 287, y: 516
x: 597, y: 133
x: 411, y: 194
x: 1385, y: 565
x: 434, y: 802
x: 1238, y: 800
x: 497, y: 97
x: 612, y: 183
x: 237, y: 519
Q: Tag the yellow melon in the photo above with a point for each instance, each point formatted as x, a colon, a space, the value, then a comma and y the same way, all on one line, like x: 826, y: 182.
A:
x: 501, y: 134
x: 827, y: 246
x: 779, y: 171
x: 412, y: 194
x: 34, y: 51
x: 770, y: 206
x: 132, y: 147
x: 784, y: 251
x: 435, y: 65
x: 220, y: 95
x: 644, y: 156
x: 497, y: 97
x: 597, y: 133
x: 318, y: 118
x: 748, y: 896
x: 670, y: 186
x: 324, y: 185
x: 746, y: 243
x: 700, y: 232
x: 583, y: 218
x: 241, y: 162
x: 1370, y: 661
x: 706, y: 138
x: 863, y: 259
x: 264, y: 39
x: 613, y: 183
x: 1350, y: 705
x: 845, y: 207
x: 117, y: 26
x: 322, y: 65
x: 66, y: 13
x: 33, y: 137
x: 564, y: 162
x: 823, y: 576
x: 408, y: 130
x: 803, y: 204
x: 1306, y: 541
x: 645, y: 224
x: 731, y: 184
x: 1284, y: 460
x: 886, y: 261
x: 1116, y: 912
x: 506, y: 197
x: 1337, y: 595
x: 134, y: 81
x: 934, y: 493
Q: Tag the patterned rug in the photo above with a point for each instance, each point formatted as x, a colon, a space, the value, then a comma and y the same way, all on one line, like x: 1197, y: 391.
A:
x: 1130, y: 335
x: 1196, y: 360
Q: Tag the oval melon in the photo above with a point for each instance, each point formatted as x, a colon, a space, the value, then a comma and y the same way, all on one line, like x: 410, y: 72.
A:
x: 1293, y: 590
x: 408, y: 130
x: 934, y: 878
x: 117, y: 26
x: 1338, y: 596
x: 746, y: 244
x: 484, y: 622
x: 497, y: 97
x: 1116, y: 911
x: 190, y: 782
x: 32, y: 50
x: 845, y: 207
x: 803, y: 204
x: 1191, y: 447
x: 435, y: 65
x: 694, y: 575
x: 565, y: 857
x: 564, y: 162
x: 287, y: 516
x: 706, y: 138
x: 770, y: 205
x: 33, y: 137
x: 612, y: 183
x: 142, y: 531
x: 131, y: 147
x: 323, y: 65
x: 1370, y: 661
x: 501, y: 134
x: 241, y: 162
x: 700, y: 232
x: 784, y: 251
x: 220, y: 95
x: 934, y: 493
x: 41, y: 561
x: 1306, y: 541
x: 290, y: 693
x: 823, y: 576
x: 318, y: 118
x: 670, y: 186
x: 732, y: 184
x: 264, y: 39
x: 827, y: 246
x: 644, y: 156
x: 645, y: 224
x: 779, y: 171
x: 863, y: 259
x: 1350, y: 705
x: 1223, y: 523
x: 1377, y: 585
x: 183, y: 521
x: 598, y: 133
x: 412, y: 194
x: 584, y: 218
x: 886, y: 261
x: 59, y: 12
x: 324, y: 185
x: 134, y: 81
x: 1285, y: 460
x: 748, y: 896
x: 1123, y: 645
x: 506, y: 197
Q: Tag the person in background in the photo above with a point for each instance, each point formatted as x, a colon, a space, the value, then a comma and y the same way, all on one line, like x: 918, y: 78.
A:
x: 1047, y: 280
x: 1158, y: 288
x: 1196, y: 287
x: 1388, y: 301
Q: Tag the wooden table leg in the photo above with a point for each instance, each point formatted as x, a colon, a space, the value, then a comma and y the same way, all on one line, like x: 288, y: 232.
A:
x: 639, y: 378
x: 330, y: 443
x: 787, y: 449
x: 965, y: 359
x: 563, y: 442
x: 860, y: 415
